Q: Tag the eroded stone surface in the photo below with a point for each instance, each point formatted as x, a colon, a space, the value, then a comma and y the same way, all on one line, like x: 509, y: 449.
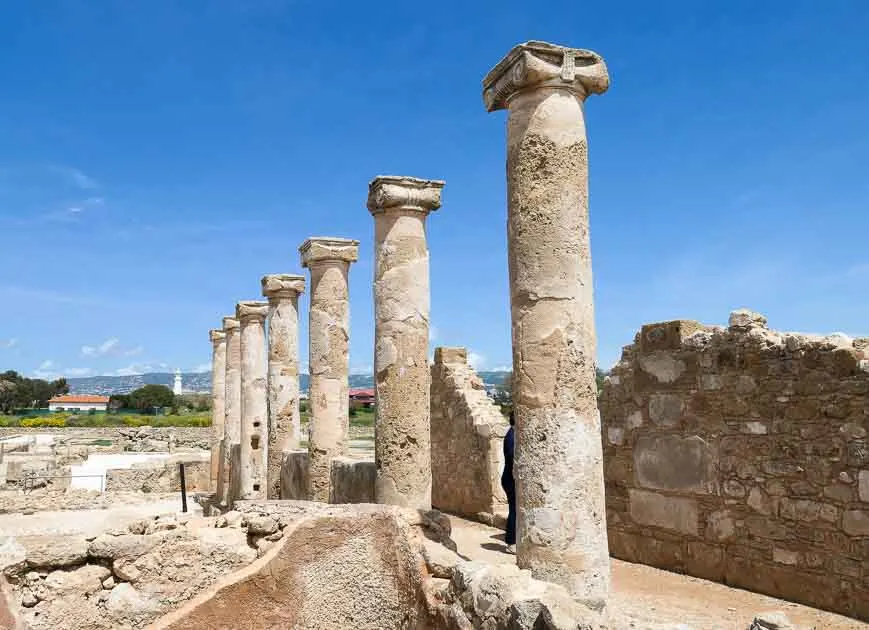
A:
x: 232, y: 409
x: 558, y: 467
x: 402, y: 448
x: 284, y: 426
x: 467, y: 434
x: 254, y: 401
x: 218, y: 409
x: 328, y: 260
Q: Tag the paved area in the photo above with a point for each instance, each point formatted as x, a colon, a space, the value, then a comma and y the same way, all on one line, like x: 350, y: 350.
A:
x: 88, y: 522
x: 650, y: 596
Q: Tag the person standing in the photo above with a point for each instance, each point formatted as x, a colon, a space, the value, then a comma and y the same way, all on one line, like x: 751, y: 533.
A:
x: 509, y: 488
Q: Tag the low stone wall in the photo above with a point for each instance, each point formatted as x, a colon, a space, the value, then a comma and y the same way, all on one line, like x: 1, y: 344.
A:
x: 467, y: 434
x: 294, y: 475
x: 352, y: 480
x: 161, y: 476
x: 739, y: 455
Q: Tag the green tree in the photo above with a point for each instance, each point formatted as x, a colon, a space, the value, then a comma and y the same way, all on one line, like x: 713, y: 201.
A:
x: 150, y: 396
x: 599, y: 377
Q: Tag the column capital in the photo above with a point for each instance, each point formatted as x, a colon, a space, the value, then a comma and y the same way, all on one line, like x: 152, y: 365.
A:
x: 324, y: 249
x: 534, y: 65
x: 277, y: 286
x: 216, y: 336
x: 395, y: 192
x: 230, y: 323
x: 251, y: 311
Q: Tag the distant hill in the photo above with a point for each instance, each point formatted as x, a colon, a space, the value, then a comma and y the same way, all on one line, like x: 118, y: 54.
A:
x: 201, y: 382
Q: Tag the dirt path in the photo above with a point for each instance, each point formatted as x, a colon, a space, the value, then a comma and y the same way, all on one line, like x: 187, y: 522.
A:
x: 650, y: 596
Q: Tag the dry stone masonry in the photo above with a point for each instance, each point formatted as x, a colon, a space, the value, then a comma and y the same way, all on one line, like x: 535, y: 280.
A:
x: 284, y: 425
x: 467, y: 435
x: 558, y: 467
x: 232, y: 407
x: 254, y: 403
x: 328, y: 260
x: 400, y: 206
x: 740, y: 455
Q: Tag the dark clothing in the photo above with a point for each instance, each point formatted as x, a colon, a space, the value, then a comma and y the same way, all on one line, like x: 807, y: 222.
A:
x: 509, y: 487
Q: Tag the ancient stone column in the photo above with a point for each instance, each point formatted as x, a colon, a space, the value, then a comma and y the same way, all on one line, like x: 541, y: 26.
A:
x: 329, y: 260
x: 284, y: 425
x: 232, y: 410
x: 558, y: 468
x: 402, y: 444
x: 218, y: 394
x: 254, y: 401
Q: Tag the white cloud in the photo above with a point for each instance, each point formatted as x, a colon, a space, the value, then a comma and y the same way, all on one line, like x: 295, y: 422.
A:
x: 46, y: 365
x: 76, y: 177
x: 134, y: 368
x: 502, y: 368
x: 202, y: 367
x: 106, y: 347
x: 8, y: 343
x: 476, y: 360
x: 132, y: 352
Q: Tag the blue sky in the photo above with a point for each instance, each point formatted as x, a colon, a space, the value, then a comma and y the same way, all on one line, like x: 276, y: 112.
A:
x: 157, y: 158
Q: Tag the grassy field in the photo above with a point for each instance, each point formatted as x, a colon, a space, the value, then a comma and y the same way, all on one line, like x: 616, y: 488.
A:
x: 358, y: 418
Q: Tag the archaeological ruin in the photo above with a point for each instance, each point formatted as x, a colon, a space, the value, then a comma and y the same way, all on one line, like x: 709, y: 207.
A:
x: 737, y: 455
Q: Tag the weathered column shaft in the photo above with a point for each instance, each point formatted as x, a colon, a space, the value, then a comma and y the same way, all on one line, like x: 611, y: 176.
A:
x: 329, y: 363
x: 232, y: 409
x: 284, y: 425
x: 402, y: 444
x: 218, y: 394
x: 558, y: 468
x: 254, y: 401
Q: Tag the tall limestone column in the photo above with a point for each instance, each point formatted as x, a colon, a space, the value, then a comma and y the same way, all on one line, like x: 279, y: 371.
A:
x: 254, y: 401
x: 284, y: 425
x: 329, y: 260
x: 402, y: 445
x: 558, y: 468
x: 218, y: 394
x: 232, y: 410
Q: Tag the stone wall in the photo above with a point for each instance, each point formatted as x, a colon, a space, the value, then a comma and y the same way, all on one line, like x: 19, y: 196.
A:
x: 352, y: 480
x: 161, y: 476
x: 739, y: 455
x: 467, y: 433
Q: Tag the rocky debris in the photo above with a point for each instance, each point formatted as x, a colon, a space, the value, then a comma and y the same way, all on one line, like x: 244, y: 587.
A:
x: 58, y: 500
x: 125, y: 602
x: 744, y: 319
x: 54, y: 551
x: 123, y: 546
x: 82, y: 581
x: 261, y: 526
x: 771, y: 621
x: 230, y: 519
x: 441, y: 562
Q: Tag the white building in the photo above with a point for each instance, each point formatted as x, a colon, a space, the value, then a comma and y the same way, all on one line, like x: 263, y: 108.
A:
x: 78, y: 403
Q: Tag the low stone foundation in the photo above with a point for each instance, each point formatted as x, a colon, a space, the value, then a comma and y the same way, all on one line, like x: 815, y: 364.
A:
x: 294, y: 475
x: 352, y: 480
x: 162, y: 476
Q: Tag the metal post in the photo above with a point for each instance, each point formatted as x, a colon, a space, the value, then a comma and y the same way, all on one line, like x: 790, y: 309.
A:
x: 183, y: 489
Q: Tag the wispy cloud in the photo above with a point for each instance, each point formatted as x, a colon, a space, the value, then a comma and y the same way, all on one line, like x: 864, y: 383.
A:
x: 6, y: 344
x: 109, y: 346
x: 476, y: 360
x: 202, y: 367
x: 135, y: 351
x: 79, y: 372
x: 76, y: 177
x: 46, y: 365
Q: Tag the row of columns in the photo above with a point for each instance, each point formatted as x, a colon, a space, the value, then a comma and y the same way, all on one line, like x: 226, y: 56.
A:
x: 558, y: 465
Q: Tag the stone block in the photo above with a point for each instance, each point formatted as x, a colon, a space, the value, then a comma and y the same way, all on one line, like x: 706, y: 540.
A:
x: 665, y: 409
x: 671, y: 462
x: 352, y: 480
x: 863, y: 481
x: 451, y: 355
x: 856, y: 522
x: 705, y: 561
x: 294, y: 475
x: 744, y: 319
x: 662, y: 366
x: 667, y: 335
x: 673, y: 513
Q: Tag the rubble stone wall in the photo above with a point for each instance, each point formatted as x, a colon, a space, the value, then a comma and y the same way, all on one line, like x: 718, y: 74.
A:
x: 160, y: 477
x: 467, y: 433
x: 740, y: 455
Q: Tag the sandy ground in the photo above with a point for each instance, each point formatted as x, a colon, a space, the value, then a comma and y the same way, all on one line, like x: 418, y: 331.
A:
x: 89, y: 522
x: 651, y: 596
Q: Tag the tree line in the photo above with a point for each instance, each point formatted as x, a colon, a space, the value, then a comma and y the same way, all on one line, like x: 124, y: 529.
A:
x: 18, y: 391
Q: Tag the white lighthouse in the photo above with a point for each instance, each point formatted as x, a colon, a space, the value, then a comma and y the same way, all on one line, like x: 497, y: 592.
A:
x: 178, y: 389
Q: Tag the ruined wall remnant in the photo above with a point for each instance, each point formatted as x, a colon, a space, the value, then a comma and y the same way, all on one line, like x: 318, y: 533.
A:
x: 467, y: 433
x: 740, y: 455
